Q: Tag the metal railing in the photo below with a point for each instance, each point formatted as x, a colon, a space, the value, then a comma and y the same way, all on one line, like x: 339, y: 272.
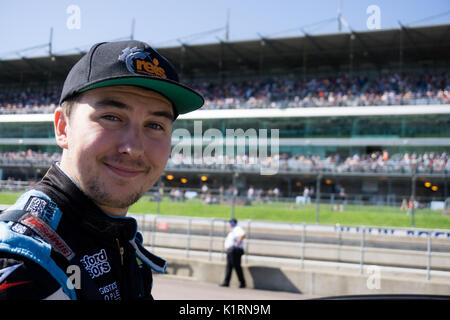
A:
x: 363, y: 246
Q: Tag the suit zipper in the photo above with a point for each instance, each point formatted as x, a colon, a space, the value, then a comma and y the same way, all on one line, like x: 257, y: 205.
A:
x: 121, y: 251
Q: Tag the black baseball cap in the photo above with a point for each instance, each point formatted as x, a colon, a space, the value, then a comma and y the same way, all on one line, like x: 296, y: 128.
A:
x: 132, y: 63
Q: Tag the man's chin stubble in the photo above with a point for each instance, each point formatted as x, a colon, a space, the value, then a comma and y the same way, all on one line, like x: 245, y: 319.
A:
x: 97, y: 194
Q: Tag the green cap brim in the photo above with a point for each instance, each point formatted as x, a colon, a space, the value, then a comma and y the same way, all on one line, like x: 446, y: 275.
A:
x: 184, y: 99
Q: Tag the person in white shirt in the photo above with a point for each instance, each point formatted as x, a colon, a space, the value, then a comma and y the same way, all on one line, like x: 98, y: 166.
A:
x: 234, y: 244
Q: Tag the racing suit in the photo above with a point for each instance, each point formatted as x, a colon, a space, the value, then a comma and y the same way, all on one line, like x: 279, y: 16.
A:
x: 55, y: 243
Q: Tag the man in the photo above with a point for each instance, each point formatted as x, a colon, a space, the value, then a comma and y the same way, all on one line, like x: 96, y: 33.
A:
x: 234, y: 244
x: 69, y: 237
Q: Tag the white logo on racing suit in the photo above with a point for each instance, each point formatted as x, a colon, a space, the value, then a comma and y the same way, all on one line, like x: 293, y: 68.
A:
x: 110, y: 292
x: 97, y: 264
x: 36, y: 205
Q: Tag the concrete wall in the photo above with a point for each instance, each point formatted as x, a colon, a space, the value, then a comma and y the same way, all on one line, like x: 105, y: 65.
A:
x: 310, y: 280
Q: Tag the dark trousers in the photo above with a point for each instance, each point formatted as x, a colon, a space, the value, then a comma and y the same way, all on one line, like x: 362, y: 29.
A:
x: 234, y: 261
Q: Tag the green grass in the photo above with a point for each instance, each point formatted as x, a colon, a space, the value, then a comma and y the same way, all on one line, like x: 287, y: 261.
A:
x: 354, y: 215
x: 9, y: 197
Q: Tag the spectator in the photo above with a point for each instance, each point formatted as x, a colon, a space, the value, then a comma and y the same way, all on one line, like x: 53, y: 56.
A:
x: 250, y: 193
x: 306, y: 195
x: 404, y: 206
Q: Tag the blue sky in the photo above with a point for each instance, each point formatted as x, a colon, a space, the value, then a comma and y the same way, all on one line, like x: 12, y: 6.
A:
x: 27, y: 23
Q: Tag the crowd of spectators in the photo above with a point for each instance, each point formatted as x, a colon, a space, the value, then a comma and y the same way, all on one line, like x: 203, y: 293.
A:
x: 282, y: 92
x: 375, y: 162
x: 29, y: 158
x: 408, y: 88
x: 29, y: 100
x: 342, y: 90
x: 278, y: 92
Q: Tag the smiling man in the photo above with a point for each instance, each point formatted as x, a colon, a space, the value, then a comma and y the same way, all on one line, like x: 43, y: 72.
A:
x: 116, y: 143
x: 69, y: 237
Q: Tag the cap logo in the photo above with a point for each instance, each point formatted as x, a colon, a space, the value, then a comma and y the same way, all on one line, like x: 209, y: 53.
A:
x: 139, y: 61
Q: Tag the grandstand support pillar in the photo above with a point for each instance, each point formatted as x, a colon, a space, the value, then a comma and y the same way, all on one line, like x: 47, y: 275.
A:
x: 351, y: 53
x: 413, y: 197
x: 304, y: 61
x: 261, y: 57
x: 445, y: 185
x: 50, y: 43
x: 289, y: 187
x: 33, y: 170
x: 220, y: 63
x: 319, y: 178
x: 158, y: 199
x: 233, y: 203
x: 133, y: 22
x: 390, y: 199
x: 401, y: 50
x: 182, y: 55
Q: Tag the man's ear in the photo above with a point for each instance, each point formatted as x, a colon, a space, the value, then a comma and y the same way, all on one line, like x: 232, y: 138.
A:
x: 61, y: 123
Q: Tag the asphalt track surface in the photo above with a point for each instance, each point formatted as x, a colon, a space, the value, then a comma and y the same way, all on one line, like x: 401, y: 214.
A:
x: 174, y: 288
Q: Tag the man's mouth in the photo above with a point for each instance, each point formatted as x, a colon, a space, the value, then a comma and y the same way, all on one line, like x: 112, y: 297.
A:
x: 124, y: 172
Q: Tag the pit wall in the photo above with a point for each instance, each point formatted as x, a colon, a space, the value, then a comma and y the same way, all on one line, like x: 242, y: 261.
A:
x: 311, y: 280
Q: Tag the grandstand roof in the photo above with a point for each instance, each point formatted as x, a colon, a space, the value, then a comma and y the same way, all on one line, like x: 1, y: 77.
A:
x: 400, y: 49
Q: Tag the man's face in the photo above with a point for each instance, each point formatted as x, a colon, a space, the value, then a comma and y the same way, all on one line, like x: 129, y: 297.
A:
x: 116, y: 144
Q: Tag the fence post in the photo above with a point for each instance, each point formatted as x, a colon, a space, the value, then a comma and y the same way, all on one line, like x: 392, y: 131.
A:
x: 211, y: 231
x: 225, y: 233
x: 428, y: 255
x: 141, y: 227
x: 247, y: 241
x: 363, y: 238
x: 154, y: 231
x: 338, y: 226
x: 303, y: 244
x: 188, y: 244
x: 413, y: 196
x: 158, y: 202
x: 319, y: 177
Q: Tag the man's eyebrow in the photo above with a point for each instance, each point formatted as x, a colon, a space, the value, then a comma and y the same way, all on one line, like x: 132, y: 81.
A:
x: 164, y: 114
x: 118, y: 104
x: 111, y: 103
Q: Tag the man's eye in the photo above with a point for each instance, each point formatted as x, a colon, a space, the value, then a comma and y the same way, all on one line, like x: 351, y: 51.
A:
x: 110, y: 117
x: 155, y: 126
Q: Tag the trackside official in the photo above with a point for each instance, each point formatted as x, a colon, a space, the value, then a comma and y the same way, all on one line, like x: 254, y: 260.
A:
x: 234, y: 245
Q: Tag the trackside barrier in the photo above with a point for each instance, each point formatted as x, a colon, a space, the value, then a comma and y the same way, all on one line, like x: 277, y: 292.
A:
x: 338, y: 239
x: 303, y: 244
x: 188, y: 237
x: 363, y: 242
x: 428, y: 256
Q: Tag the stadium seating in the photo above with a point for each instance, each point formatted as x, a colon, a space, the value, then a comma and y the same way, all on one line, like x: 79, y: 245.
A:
x: 378, y: 162
x: 278, y: 92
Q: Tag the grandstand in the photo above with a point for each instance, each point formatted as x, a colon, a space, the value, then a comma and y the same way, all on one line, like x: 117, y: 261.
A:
x: 340, y: 102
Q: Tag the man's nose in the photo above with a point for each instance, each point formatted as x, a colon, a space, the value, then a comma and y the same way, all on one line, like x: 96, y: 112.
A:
x: 131, y: 142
